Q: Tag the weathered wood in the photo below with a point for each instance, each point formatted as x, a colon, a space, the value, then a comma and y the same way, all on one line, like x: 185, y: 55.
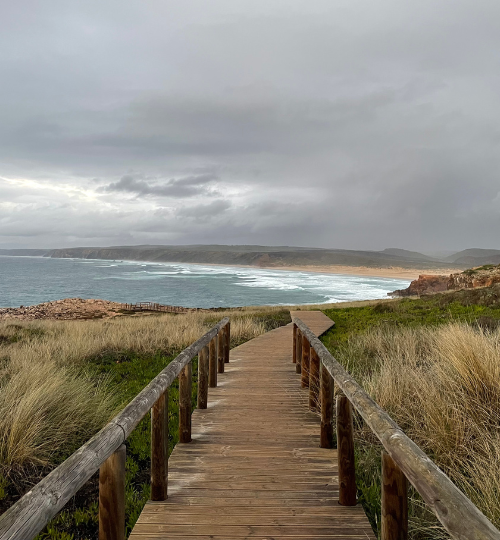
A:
x: 203, y: 378
x: 221, y: 345
x: 345, y: 451
x: 294, y: 343
x: 458, y: 515
x: 394, y: 501
x: 212, y: 363
x: 306, y: 349
x: 112, y: 496
x: 298, y: 356
x: 27, y: 517
x: 185, y: 386
x: 228, y: 343
x: 255, y: 469
x: 159, y: 448
x: 314, y: 401
x: 326, y: 391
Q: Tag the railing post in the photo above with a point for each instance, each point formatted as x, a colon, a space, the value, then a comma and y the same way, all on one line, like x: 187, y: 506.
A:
x: 314, y: 403
x: 212, y: 363
x: 306, y: 349
x: 345, y: 452
x: 185, y: 381
x: 203, y: 378
x: 394, y: 500
x: 294, y: 343
x: 112, y: 496
x: 228, y: 342
x: 326, y: 390
x: 221, y: 342
x: 298, y: 355
x: 159, y: 448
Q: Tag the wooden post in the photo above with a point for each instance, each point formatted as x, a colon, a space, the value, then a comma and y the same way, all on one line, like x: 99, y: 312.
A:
x: 228, y: 342
x: 294, y: 344
x: 306, y: 349
x: 221, y: 342
x: 159, y: 448
x: 345, y: 452
x: 326, y: 391
x: 298, y: 355
x: 185, y: 380
x: 212, y: 363
x: 394, y: 500
x: 112, y: 496
x: 314, y: 403
x: 203, y: 378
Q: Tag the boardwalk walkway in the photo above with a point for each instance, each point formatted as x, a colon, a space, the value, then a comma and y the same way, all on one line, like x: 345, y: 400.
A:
x: 254, y: 468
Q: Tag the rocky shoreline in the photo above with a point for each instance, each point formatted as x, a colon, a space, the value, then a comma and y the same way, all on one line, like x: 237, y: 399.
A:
x: 482, y: 276
x: 67, y: 309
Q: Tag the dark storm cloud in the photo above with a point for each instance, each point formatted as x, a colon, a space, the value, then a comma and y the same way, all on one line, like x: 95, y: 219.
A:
x: 350, y: 124
x: 180, y: 187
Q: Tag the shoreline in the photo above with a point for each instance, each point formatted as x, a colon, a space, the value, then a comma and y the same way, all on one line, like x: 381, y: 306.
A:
x: 391, y: 272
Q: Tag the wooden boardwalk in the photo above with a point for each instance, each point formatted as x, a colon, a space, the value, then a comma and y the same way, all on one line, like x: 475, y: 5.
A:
x: 254, y: 468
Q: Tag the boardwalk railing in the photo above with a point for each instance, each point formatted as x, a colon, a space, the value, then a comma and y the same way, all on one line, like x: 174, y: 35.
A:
x: 106, y: 452
x: 402, y: 459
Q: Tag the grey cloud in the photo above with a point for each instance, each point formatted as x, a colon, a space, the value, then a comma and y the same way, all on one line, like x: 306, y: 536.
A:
x: 204, y: 211
x: 188, y: 186
x: 345, y: 124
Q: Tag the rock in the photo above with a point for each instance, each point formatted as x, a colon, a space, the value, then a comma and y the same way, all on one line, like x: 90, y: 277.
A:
x: 482, y: 276
x: 425, y: 284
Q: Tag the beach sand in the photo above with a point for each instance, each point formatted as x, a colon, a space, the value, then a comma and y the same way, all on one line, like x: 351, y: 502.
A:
x: 388, y: 272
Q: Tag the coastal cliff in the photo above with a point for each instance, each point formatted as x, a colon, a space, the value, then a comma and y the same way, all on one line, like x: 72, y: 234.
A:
x: 483, y: 276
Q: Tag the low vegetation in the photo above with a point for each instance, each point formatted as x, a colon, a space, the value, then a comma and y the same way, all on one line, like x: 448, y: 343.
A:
x: 62, y: 381
x: 434, y: 365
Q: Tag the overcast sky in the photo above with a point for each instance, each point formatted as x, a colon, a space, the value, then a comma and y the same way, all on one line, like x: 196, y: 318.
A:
x: 336, y: 123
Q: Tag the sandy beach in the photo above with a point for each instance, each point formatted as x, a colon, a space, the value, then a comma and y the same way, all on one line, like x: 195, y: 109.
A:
x: 390, y: 272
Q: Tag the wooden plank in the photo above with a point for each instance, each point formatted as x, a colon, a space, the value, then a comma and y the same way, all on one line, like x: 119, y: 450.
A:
x: 254, y: 467
x: 458, y: 515
x: 35, y: 509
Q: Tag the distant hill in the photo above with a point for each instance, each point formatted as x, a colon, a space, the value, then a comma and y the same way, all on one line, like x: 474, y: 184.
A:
x: 404, y: 253
x: 475, y: 257
x: 25, y: 252
x: 263, y: 256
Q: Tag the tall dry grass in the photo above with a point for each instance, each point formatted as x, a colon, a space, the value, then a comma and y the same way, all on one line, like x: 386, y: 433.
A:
x: 49, y: 401
x: 442, y: 386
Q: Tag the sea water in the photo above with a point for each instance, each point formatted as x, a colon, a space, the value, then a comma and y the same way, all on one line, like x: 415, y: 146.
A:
x: 32, y: 280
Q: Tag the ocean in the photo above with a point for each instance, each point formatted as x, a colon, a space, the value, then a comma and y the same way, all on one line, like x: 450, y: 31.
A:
x: 33, y: 280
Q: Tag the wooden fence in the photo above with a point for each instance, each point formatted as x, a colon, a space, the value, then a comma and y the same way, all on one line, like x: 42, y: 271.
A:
x: 154, y: 306
x: 402, y: 459
x: 106, y: 450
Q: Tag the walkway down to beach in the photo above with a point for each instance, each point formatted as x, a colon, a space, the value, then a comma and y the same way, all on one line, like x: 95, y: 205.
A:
x: 254, y: 468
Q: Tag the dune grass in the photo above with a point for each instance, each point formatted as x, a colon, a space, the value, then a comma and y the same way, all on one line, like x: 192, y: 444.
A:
x: 61, y: 381
x: 436, y: 370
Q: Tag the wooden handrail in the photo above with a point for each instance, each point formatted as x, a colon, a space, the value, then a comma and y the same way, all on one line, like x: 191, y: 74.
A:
x: 28, y: 516
x: 458, y: 515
